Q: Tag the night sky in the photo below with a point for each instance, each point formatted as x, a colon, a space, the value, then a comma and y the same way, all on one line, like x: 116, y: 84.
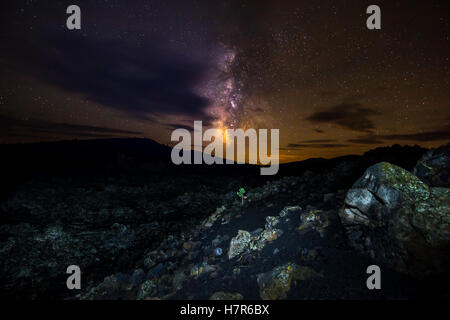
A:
x: 310, y: 68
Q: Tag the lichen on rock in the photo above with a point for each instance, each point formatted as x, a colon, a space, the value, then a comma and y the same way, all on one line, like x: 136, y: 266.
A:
x: 313, y: 220
x: 220, y: 295
x: 239, y: 244
x: 275, y: 284
x: 271, y: 222
x: 397, y: 219
x: 434, y: 167
x: 147, y: 289
x: 257, y: 240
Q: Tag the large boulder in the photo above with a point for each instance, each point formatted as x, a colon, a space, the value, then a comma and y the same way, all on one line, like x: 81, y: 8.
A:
x: 434, y: 167
x: 398, y: 220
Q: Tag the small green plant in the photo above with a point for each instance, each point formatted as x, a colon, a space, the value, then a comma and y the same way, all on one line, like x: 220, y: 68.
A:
x: 241, y: 194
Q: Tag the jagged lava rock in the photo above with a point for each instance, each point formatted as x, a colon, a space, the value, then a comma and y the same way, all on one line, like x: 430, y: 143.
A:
x: 220, y: 295
x: 398, y: 220
x: 275, y: 284
x: 434, y: 167
x: 239, y: 244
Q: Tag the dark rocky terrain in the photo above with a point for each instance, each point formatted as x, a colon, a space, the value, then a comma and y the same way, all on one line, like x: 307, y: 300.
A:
x: 140, y: 228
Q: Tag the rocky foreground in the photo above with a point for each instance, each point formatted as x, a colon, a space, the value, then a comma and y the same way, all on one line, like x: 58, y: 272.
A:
x: 298, y: 237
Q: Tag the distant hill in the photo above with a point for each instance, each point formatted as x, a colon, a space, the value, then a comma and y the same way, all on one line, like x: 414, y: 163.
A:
x: 82, y: 154
x: 139, y: 156
x: 403, y: 156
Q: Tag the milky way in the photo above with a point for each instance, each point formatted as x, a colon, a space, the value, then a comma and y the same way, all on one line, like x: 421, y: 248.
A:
x: 223, y: 91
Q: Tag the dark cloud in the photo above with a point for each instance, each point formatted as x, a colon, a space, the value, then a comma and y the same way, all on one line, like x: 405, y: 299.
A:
x: 187, y: 124
x: 366, y: 140
x: 352, y: 116
x: 136, y: 79
x: 422, y: 136
x: 10, y: 126
x: 314, y: 145
x: 174, y: 126
x: 257, y: 110
x: 318, y: 141
x: 433, y: 135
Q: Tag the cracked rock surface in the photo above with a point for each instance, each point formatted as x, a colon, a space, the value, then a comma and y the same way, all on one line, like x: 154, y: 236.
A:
x: 395, y: 218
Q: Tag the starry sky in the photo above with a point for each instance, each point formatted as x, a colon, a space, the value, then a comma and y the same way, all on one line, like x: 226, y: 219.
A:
x: 309, y: 68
